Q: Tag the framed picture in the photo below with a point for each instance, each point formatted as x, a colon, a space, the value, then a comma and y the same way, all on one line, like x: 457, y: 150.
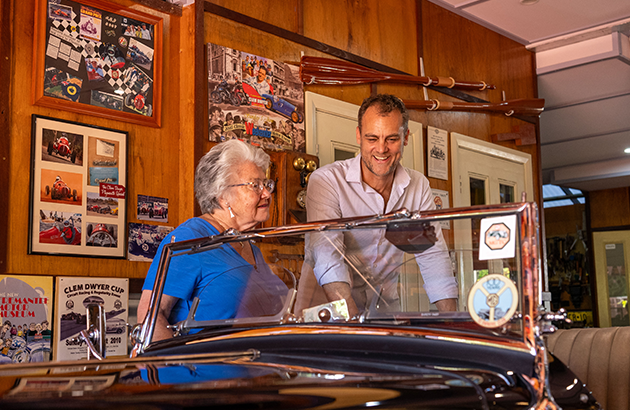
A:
x: 254, y: 99
x: 98, y: 58
x: 78, y: 184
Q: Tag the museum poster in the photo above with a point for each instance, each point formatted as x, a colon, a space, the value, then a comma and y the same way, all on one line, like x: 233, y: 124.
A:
x: 25, y: 309
x: 73, y: 294
x: 98, y: 58
x: 254, y: 99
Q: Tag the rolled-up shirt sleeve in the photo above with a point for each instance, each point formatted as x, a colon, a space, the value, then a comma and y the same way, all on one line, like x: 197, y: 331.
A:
x: 436, y: 270
x: 435, y: 263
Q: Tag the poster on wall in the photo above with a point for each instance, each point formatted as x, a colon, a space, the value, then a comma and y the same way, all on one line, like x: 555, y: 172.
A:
x: 152, y: 208
x: 70, y: 212
x: 254, y: 99
x: 442, y: 201
x: 144, y: 241
x: 25, y: 313
x: 73, y: 294
x: 437, y: 147
x: 98, y: 58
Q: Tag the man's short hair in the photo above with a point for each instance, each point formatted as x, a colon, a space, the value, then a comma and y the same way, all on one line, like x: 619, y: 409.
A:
x: 385, y: 103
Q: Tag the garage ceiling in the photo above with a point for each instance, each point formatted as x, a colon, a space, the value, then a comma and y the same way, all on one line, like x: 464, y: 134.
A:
x: 583, y: 65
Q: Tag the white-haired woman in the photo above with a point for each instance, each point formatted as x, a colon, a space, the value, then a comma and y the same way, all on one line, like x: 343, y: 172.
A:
x: 232, y: 191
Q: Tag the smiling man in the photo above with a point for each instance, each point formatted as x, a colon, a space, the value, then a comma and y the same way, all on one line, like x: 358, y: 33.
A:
x: 374, y: 182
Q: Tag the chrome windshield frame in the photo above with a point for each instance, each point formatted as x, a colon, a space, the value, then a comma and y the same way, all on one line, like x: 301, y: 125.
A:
x: 527, y: 217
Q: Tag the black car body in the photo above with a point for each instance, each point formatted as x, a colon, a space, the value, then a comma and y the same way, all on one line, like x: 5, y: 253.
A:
x: 400, y: 358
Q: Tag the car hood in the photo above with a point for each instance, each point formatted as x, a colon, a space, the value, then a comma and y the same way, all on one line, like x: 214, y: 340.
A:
x: 297, y: 367
x: 239, y: 380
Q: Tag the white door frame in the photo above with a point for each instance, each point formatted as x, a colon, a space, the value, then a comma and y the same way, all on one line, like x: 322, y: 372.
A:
x: 463, y: 231
x: 460, y: 143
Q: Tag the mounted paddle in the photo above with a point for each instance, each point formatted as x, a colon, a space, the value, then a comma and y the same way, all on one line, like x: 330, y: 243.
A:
x: 319, y: 70
x: 526, y: 107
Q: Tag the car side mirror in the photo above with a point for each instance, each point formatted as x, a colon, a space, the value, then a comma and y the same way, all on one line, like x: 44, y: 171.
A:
x: 94, y: 335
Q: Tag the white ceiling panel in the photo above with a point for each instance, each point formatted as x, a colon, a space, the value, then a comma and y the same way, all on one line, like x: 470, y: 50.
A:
x: 585, y: 150
x: 547, y: 18
x: 605, y: 78
x: 599, y: 183
x: 585, y: 120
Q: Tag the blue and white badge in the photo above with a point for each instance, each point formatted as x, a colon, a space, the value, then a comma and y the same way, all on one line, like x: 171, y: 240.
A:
x: 492, y: 301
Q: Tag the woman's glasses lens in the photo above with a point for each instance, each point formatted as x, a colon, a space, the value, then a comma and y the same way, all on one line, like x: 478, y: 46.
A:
x: 268, y: 184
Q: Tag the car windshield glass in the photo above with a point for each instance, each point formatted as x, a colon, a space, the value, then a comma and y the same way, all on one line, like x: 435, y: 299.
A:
x: 248, y: 293
x: 396, y: 270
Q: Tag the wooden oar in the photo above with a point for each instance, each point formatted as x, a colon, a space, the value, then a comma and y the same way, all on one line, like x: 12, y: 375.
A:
x: 319, y: 70
x: 525, y: 107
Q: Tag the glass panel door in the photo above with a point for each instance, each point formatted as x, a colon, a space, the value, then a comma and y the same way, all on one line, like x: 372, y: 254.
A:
x: 611, y: 273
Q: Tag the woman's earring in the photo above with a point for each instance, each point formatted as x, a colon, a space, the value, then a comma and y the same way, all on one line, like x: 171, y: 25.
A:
x: 230, y: 209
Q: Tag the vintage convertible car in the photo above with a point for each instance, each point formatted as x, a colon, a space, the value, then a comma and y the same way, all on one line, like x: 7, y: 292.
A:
x: 272, y: 345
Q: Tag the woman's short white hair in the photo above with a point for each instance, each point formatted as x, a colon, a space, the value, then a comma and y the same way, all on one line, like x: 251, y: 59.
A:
x: 216, y: 169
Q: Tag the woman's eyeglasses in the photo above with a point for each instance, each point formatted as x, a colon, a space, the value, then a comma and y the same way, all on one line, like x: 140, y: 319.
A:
x: 258, y: 186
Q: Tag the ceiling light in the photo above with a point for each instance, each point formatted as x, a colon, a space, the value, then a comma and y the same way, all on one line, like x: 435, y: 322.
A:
x: 627, y: 150
x: 528, y: 2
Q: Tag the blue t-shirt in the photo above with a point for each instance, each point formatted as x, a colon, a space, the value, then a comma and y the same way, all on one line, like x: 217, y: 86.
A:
x: 226, y: 284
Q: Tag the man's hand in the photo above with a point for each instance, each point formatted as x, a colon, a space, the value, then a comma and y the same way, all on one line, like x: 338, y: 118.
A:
x: 341, y: 290
x: 446, y: 305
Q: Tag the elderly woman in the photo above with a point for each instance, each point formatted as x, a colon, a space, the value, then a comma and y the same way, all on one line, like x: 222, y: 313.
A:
x: 232, y: 192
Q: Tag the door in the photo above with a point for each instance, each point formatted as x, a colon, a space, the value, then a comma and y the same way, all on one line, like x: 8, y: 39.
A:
x: 483, y: 174
x: 611, y: 272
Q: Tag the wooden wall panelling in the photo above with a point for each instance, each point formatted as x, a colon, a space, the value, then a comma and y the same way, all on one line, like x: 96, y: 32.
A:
x: 380, y: 30
x: 611, y: 208
x: 281, y: 13
x: 288, y: 184
x: 153, y: 154
x: 564, y: 219
x: 294, y: 213
x: 6, y: 61
x: 454, y: 46
x: 278, y: 173
x: 200, y: 135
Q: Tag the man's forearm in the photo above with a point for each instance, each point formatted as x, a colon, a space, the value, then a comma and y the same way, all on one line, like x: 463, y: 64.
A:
x: 446, y: 305
x: 160, y: 331
x: 341, y: 290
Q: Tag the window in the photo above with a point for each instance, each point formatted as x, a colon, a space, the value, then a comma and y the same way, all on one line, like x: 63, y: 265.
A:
x: 554, y: 195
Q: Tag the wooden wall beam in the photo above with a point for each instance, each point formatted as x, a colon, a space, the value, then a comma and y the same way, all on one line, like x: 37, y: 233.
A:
x: 6, y: 61
x: 201, y: 90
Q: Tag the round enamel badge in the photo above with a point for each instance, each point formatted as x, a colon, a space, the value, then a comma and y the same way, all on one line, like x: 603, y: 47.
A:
x: 492, y: 301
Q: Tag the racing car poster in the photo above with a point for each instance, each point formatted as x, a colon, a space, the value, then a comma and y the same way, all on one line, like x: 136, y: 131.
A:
x: 72, y: 296
x: 98, y: 58
x: 254, y: 99
x: 144, y: 240
x: 25, y: 315
x: 152, y: 208
x: 69, y: 214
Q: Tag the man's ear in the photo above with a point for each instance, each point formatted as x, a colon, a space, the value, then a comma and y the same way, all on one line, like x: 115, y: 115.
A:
x: 358, y: 136
x: 406, y: 138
